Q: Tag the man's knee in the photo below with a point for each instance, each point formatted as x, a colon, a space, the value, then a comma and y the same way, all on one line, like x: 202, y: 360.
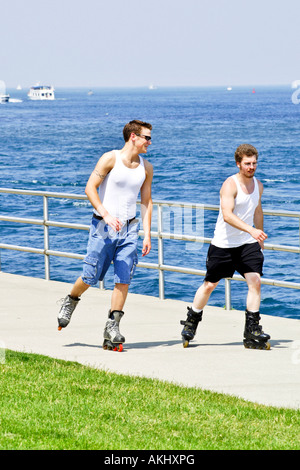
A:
x: 209, y: 286
x: 253, y: 281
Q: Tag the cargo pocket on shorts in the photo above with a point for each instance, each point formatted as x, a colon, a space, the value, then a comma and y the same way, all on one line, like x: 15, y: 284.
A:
x: 133, y: 268
x: 90, y: 269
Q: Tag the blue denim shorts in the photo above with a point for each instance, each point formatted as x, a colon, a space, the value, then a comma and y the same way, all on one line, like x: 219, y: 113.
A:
x: 106, y: 246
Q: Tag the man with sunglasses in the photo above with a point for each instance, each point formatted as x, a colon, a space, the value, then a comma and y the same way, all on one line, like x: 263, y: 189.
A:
x: 113, y: 189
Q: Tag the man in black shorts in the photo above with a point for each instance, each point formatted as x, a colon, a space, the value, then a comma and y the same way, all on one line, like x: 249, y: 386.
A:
x: 236, y: 246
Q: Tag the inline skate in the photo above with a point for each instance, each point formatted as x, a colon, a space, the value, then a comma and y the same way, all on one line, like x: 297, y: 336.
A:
x: 190, y: 326
x: 113, y: 340
x: 68, y: 306
x: 254, y: 337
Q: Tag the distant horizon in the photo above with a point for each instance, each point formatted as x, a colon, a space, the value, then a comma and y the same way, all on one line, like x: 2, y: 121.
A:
x: 157, y: 86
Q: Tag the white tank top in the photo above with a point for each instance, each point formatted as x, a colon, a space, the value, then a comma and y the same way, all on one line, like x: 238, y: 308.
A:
x: 226, y: 236
x: 120, y: 189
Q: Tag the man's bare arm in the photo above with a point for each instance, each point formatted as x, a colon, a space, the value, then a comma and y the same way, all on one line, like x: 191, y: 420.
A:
x: 228, y: 194
x: 146, y: 207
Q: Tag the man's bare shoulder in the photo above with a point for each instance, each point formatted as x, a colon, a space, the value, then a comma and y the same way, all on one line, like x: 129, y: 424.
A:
x: 260, y: 186
x: 108, y: 157
x: 148, y: 168
x: 148, y: 165
x: 104, y: 165
x: 229, y: 186
x: 107, y: 160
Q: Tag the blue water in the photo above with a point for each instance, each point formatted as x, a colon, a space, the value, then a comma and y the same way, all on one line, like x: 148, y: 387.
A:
x: 54, y: 146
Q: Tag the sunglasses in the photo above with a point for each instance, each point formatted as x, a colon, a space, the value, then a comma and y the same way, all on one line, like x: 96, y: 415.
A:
x: 147, y: 137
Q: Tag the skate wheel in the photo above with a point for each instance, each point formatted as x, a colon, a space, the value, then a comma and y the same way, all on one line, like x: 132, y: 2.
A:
x: 251, y: 344
x: 59, y: 328
x: 107, y: 345
x: 185, y: 343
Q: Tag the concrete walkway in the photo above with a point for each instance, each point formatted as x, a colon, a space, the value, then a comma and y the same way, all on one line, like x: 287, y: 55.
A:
x: 216, y: 360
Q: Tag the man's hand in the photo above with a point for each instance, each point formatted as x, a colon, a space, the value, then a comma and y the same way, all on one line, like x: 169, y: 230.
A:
x: 146, y: 246
x: 259, y: 235
x: 113, y: 222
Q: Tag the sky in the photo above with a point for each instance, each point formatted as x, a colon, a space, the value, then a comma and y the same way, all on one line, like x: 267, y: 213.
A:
x: 134, y: 43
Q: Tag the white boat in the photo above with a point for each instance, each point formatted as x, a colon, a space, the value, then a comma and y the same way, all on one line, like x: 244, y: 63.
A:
x: 41, y: 92
x: 4, y: 98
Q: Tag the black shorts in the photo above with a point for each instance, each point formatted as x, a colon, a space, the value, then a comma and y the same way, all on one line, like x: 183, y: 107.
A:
x: 223, y: 262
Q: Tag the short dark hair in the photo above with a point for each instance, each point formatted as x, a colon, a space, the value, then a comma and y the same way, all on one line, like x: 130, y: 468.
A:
x: 134, y: 126
x: 245, y: 150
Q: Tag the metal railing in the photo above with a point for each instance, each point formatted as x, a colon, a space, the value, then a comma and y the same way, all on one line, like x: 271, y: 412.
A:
x: 160, y: 234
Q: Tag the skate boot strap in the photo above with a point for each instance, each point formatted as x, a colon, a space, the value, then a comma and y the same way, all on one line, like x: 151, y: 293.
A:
x: 196, y: 316
x: 115, y: 315
x: 187, y: 322
x: 74, y: 298
x: 253, y: 315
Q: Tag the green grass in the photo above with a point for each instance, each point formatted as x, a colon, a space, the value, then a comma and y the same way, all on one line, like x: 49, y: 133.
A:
x: 53, y: 404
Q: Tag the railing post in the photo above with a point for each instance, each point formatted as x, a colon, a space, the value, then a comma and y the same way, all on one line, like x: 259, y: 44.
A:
x: 46, y: 239
x: 161, y: 275
x: 228, y: 294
